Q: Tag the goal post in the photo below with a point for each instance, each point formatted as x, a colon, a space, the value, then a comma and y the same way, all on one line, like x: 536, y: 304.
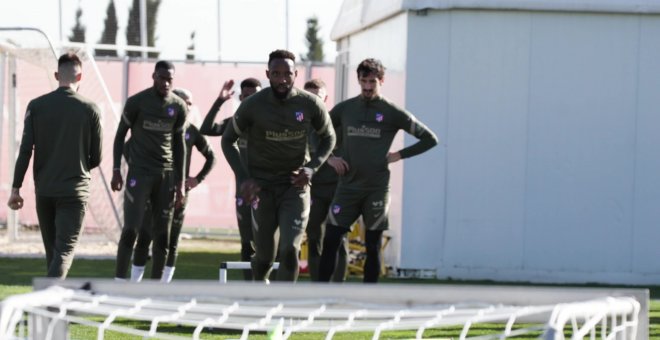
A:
x: 618, y: 313
x: 30, y: 61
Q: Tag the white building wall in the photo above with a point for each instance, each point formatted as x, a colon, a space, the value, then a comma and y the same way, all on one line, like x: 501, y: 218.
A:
x: 425, y: 186
x: 581, y: 156
x: 549, y: 166
x: 646, y: 218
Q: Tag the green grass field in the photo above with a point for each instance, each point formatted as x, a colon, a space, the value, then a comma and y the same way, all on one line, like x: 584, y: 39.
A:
x: 17, y: 274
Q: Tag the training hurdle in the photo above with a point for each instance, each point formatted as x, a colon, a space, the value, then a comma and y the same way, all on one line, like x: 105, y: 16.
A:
x: 237, y: 265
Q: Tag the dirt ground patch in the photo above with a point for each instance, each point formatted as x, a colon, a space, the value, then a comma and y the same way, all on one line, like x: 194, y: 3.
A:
x: 30, y: 245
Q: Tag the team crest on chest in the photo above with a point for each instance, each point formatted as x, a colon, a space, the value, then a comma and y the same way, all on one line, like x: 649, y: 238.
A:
x: 132, y: 182
x: 300, y: 116
x: 170, y: 111
x: 239, y: 202
x: 379, y: 117
x: 336, y: 209
x: 187, y: 135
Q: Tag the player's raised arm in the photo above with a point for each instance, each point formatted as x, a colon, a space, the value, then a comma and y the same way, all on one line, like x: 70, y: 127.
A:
x: 209, y: 127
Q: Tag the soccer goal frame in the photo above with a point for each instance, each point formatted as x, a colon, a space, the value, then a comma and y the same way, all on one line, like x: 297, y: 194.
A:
x: 333, y: 308
x: 32, y: 48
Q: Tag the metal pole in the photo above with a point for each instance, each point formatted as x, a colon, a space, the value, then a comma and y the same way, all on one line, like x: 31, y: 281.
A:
x: 59, y: 43
x: 12, y: 215
x: 219, y: 33
x: 3, y: 65
x: 143, y: 26
x: 126, y: 73
x: 286, y: 25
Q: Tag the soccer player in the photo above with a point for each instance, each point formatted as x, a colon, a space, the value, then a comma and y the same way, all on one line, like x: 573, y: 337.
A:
x: 64, y: 130
x: 156, y: 158
x: 141, y: 252
x: 277, y: 121
x: 367, y: 124
x: 324, y: 183
x: 249, y: 86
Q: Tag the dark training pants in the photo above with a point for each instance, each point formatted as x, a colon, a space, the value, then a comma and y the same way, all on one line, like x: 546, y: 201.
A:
x: 60, y: 222
x: 244, y: 218
x: 331, y: 242
x: 286, y: 207
x: 141, y: 252
x: 140, y: 188
x: 322, y: 194
x: 347, y: 205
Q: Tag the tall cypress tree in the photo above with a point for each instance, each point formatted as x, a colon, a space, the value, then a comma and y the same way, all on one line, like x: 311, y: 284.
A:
x: 78, y: 31
x: 152, y: 11
x: 313, y: 42
x: 133, y: 27
x: 191, y: 47
x: 109, y: 35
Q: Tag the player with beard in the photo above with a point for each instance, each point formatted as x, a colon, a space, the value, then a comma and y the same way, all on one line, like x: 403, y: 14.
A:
x: 277, y: 121
x: 367, y: 125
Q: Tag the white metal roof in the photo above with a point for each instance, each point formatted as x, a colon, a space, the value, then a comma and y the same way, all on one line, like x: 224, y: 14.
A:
x: 356, y: 15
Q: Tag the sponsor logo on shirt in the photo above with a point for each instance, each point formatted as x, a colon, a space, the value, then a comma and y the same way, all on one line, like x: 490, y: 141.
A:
x: 300, y: 116
x: 132, y: 182
x: 336, y: 209
x: 363, y: 131
x: 297, y: 221
x: 286, y: 135
x: 157, y: 125
x: 170, y: 111
x: 379, y: 117
x: 378, y: 204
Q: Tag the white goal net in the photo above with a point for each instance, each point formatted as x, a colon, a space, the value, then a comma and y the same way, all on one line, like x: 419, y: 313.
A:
x: 200, y: 309
x: 28, y: 61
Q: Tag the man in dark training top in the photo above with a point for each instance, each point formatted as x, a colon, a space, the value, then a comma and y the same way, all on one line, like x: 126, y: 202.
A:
x: 141, y: 252
x: 64, y: 130
x: 155, y: 158
x: 249, y: 86
x: 367, y: 124
x: 277, y: 121
x: 324, y: 183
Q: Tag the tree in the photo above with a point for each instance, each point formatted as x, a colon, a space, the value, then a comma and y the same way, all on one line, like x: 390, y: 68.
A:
x: 191, y: 47
x: 133, y: 27
x: 313, y: 42
x: 109, y: 35
x: 78, y: 31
